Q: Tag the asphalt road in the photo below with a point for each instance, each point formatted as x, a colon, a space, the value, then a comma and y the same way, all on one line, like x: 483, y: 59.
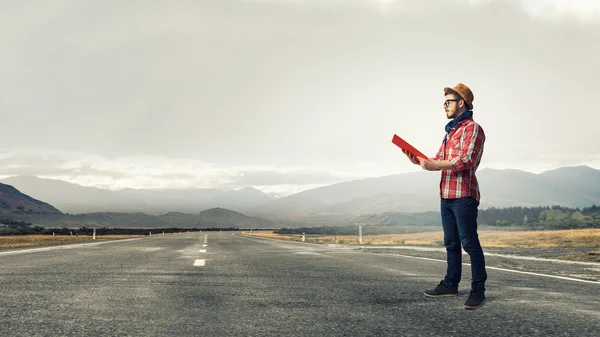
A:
x: 247, y: 286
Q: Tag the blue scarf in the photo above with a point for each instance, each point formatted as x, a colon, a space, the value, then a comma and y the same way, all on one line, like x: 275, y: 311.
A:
x: 465, y: 115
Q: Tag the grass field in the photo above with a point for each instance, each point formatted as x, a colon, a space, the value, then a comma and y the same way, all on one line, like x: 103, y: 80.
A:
x: 489, y: 238
x: 19, y: 241
x: 571, y: 238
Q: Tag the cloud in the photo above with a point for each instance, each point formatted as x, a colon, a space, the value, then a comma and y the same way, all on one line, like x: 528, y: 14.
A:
x: 536, y: 8
x: 586, y: 9
x: 229, y: 93
x: 158, y: 172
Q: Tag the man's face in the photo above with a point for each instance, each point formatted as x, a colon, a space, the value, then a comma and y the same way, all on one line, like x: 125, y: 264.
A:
x: 451, y: 106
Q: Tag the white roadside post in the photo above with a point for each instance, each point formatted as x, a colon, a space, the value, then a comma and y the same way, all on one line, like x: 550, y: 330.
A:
x: 303, y: 237
x: 94, y: 235
x: 150, y: 233
x: 360, y: 232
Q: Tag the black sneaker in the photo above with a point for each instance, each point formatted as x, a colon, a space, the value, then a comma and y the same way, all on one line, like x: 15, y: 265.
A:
x: 475, y: 300
x: 441, y: 290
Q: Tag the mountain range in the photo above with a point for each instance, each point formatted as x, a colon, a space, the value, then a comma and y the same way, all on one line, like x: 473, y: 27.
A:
x: 576, y: 186
x: 74, y: 198
x: 12, y: 199
x: 400, y: 195
x: 210, y: 218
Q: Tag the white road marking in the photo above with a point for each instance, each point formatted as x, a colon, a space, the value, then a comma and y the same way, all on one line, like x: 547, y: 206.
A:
x: 204, y: 245
x: 537, y: 274
x: 202, y: 251
x: 199, y: 263
x: 150, y: 249
x: 70, y: 246
x: 532, y: 258
x: 431, y: 249
x: 503, y: 269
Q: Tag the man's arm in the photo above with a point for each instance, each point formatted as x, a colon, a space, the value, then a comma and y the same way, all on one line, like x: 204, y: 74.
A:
x: 435, y: 165
x: 474, y: 139
x: 473, y: 142
x: 443, y: 165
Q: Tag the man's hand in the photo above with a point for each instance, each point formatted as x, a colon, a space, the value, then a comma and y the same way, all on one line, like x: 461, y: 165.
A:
x: 412, y: 158
x: 429, y: 165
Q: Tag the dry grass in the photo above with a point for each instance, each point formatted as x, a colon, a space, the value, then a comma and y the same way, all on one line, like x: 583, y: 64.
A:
x: 544, y: 239
x: 489, y: 238
x: 18, y: 241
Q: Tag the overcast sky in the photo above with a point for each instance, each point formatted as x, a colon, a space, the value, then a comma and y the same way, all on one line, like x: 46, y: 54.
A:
x: 287, y: 95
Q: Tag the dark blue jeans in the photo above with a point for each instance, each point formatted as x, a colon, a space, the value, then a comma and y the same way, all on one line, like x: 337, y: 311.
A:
x: 459, y: 220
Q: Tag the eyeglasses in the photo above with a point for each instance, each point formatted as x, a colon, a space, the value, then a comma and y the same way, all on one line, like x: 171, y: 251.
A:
x: 447, y: 102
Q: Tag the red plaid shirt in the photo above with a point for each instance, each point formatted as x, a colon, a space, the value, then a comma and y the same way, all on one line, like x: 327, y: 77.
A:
x: 463, y: 147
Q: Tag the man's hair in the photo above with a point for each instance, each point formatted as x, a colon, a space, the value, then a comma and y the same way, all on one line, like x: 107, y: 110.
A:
x: 454, y: 93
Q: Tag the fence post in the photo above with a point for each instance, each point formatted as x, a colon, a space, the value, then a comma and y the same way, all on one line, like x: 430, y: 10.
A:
x: 360, y: 233
x: 360, y: 230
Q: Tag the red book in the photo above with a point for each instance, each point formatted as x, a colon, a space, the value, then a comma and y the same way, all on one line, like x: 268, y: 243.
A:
x: 401, y: 143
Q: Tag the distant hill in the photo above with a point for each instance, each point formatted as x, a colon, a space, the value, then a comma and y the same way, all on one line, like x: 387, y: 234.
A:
x: 577, y: 186
x: 227, y: 217
x: 211, y: 218
x: 398, y: 218
x: 74, y: 198
x: 358, y: 196
x: 13, y: 200
x: 404, y: 197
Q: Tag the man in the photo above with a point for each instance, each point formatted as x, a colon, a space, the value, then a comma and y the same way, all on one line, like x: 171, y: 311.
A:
x: 458, y: 159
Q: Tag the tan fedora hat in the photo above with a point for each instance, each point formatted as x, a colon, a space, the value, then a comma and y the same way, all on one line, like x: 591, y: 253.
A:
x: 464, y: 92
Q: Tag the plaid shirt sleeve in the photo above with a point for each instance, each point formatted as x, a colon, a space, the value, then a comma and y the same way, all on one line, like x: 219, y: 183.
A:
x: 472, y: 143
x: 438, y: 155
